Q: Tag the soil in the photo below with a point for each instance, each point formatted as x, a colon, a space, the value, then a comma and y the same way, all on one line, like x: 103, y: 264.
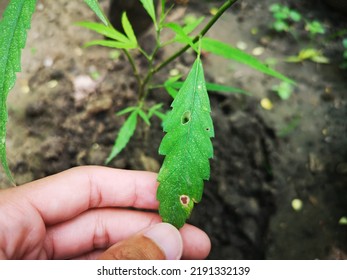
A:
x: 62, y: 114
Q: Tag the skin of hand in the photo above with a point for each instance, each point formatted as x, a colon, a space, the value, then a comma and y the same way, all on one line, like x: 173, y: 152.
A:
x: 92, y: 213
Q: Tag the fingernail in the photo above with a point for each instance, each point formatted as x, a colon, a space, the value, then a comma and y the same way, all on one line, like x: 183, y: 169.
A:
x: 168, y: 239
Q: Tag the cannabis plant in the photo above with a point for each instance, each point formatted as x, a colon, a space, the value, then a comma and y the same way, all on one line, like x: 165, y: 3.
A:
x: 187, y: 143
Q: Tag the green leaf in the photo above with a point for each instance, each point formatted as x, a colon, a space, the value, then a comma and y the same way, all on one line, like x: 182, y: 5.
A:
x: 215, y: 87
x: 275, y: 8
x: 187, y: 148
x: 280, y: 26
x: 344, y: 43
x: 320, y: 59
x: 227, y: 89
x: 191, y: 26
x: 315, y: 27
x: 107, y: 31
x: 111, y: 44
x: 284, y: 90
x: 294, y: 59
x: 295, y: 16
x: 143, y: 116
x: 14, y: 25
x: 128, y: 29
x: 125, y: 133
x: 171, y: 91
x: 149, y: 7
x: 126, y: 110
x: 160, y: 115
x: 224, y: 50
x: 154, y: 109
x: 94, y: 5
x: 311, y: 54
x: 181, y: 36
x: 168, y: 85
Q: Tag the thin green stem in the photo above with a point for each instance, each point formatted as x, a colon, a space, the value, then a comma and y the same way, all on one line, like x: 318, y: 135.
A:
x: 143, y: 90
x: 133, y: 66
x: 219, y: 13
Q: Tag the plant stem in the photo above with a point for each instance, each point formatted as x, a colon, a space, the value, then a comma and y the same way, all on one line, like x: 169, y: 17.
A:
x: 143, y: 90
x: 133, y: 66
x: 219, y: 13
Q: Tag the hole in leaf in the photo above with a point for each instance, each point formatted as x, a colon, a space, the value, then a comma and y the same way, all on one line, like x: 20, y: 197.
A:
x: 186, y: 117
x: 184, y: 200
x: 207, y: 129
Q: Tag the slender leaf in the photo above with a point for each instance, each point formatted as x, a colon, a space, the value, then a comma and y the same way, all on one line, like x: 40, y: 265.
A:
x: 156, y: 111
x: 124, y: 135
x: 143, y: 116
x: 160, y: 115
x: 189, y: 28
x: 187, y: 148
x: 126, y: 110
x: 149, y: 7
x: 128, y: 29
x: 227, y: 89
x: 171, y: 91
x: 224, y: 50
x: 14, y: 25
x: 153, y: 109
x: 111, y: 44
x: 215, y: 87
x: 168, y: 85
x: 181, y: 36
x: 107, y: 31
x: 94, y: 5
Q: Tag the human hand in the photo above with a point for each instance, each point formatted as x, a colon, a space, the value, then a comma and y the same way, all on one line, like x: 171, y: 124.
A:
x: 79, y: 213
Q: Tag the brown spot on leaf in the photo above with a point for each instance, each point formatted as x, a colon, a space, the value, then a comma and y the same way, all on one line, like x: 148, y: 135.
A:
x: 184, y: 200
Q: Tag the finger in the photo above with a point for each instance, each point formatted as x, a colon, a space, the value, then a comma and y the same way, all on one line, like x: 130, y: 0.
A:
x: 159, y: 242
x: 95, y: 229
x: 100, y: 228
x: 197, y: 244
x: 67, y: 194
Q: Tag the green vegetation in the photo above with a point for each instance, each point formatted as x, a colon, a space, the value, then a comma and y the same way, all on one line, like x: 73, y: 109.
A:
x: 287, y: 20
x: 309, y: 54
x: 284, y: 90
x: 344, y: 63
x: 14, y: 24
x: 290, y: 21
x: 187, y: 146
x: 284, y: 17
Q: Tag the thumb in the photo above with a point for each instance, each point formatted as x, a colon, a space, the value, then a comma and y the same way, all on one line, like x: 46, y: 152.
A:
x: 159, y: 242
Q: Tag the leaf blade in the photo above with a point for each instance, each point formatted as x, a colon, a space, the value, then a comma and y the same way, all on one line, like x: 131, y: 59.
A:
x: 224, y: 50
x: 143, y: 116
x: 107, y: 31
x: 128, y: 29
x: 95, y: 7
x: 110, y: 44
x: 215, y: 87
x: 14, y: 25
x: 149, y: 7
x: 189, y: 28
x: 125, y: 133
x: 181, y: 36
x: 187, y: 148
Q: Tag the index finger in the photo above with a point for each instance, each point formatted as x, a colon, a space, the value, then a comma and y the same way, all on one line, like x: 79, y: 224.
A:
x: 64, y: 195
